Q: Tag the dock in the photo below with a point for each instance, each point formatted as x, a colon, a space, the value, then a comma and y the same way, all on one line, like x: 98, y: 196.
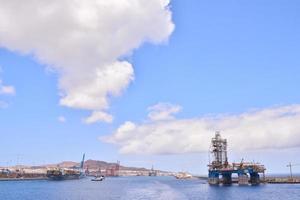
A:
x: 282, y: 180
x: 24, y: 179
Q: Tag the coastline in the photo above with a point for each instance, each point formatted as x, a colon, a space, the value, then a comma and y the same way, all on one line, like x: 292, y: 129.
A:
x: 24, y: 179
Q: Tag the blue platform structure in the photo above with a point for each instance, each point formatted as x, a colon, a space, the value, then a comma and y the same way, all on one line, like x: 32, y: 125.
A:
x: 220, y: 170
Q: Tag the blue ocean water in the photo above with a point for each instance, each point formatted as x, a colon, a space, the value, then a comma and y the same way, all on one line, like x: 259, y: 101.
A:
x: 141, y: 188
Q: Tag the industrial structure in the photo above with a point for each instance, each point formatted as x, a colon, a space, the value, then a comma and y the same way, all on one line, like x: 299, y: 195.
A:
x: 113, y: 170
x: 152, y: 172
x: 220, y: 170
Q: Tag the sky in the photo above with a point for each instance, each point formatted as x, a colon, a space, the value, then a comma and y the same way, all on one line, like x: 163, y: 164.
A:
x: 149, y: 82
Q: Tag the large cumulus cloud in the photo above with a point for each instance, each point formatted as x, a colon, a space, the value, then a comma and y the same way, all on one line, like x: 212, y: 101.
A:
x: 84, y: 42
x: 271, y: 128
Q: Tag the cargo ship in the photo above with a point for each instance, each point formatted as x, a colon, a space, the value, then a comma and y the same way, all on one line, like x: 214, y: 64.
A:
x: 59, y: 173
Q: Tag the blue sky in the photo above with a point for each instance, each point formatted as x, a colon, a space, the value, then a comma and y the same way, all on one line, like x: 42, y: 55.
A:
x: 222, y: 58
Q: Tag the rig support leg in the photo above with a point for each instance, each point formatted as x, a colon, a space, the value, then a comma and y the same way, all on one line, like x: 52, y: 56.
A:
x: 254, y: 178
x: 213, y: 178
x: 226, y: 178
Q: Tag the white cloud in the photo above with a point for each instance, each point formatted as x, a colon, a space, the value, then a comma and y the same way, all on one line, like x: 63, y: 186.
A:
x: 163, y: 111
x: 7, y: 89
x: 61, y: 119
x: 84, y: 41
x: 271, y: 128
x: 98, y: 116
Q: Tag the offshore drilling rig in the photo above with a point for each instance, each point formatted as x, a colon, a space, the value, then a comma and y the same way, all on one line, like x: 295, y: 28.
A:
x: 220, y: 170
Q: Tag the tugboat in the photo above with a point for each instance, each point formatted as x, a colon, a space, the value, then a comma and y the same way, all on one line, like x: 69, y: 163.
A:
x: 98, y: 178
x: 59, y: 173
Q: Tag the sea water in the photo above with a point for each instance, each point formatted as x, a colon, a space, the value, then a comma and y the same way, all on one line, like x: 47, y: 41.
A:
x: 141, y: 188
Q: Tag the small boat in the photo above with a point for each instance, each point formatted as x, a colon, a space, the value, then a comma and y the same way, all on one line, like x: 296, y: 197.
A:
x: 98, y: 178
x: 183, y: 175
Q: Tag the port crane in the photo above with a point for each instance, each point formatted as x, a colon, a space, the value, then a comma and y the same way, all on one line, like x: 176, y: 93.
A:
x: 290, y: 165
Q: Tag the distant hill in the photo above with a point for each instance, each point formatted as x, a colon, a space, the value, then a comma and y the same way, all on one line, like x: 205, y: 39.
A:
x: 96, y: 164
x: 91, y: 164
x: 66, y: 164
